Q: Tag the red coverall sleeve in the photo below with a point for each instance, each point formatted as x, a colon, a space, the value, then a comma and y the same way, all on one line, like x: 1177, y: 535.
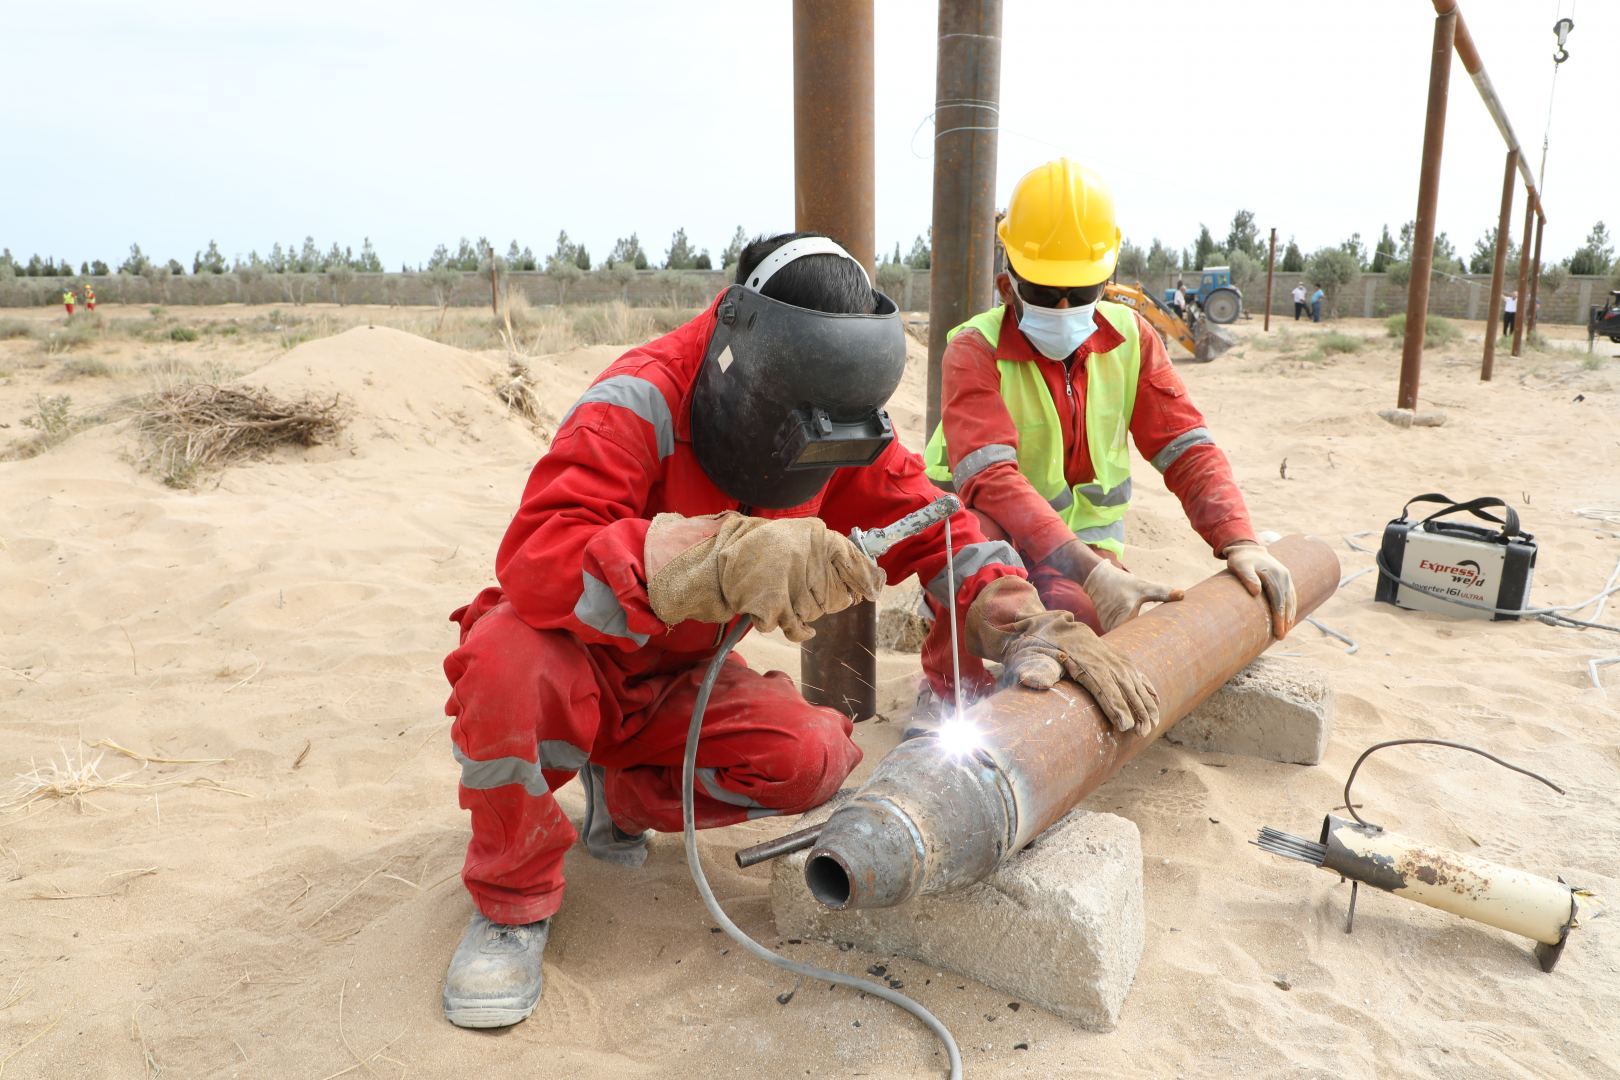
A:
x: 982, y: 443
x: 573, y: 557
x: 1170, y: 433
x: 890, y: 488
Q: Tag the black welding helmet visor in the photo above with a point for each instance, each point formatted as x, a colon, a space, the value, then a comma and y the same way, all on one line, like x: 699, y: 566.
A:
x: 786, y: 395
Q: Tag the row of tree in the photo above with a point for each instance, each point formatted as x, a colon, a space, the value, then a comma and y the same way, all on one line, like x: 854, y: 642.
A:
x: 468, y: 255
x: 1243, y: 245
x: 1243, y: 250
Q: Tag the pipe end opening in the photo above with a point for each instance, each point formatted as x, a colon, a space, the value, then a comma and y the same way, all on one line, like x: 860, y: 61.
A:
x: 828, y: 882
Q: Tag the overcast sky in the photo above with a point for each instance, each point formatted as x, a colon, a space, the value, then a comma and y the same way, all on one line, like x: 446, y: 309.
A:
x: 170, y: 122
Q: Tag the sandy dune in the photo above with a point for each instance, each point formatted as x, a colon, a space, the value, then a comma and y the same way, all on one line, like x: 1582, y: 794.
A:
x: 288, y: 911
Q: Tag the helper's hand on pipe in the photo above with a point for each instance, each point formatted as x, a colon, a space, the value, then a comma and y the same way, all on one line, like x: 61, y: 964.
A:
x: 1007, y: 623
x: 785, y: 572
x: 1118, y: 594
x: 1259, y: 571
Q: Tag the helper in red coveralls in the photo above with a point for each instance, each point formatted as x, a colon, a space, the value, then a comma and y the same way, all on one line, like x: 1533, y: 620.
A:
x: 710, y: 475
x: 1039, y: 395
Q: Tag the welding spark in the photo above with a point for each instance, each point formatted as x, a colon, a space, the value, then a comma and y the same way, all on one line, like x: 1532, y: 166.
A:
x: 959, y: 737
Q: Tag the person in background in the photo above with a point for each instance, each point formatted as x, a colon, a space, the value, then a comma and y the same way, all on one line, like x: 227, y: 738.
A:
x: 1041, y: 398
x: 1180, y: 300
x: 68, y: 300
x: 1510, y: 312
x: 1299, y: 300
x: 89, y: 296
x: 1316, y: 304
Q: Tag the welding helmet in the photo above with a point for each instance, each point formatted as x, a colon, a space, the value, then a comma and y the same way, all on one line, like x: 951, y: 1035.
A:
x: 786, y: 395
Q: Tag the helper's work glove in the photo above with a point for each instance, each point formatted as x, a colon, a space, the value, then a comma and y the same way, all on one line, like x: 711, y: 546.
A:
x: 1007, y: 623
x: 1118, y: 594
x: 783, y: 573
x: 1258, y: 569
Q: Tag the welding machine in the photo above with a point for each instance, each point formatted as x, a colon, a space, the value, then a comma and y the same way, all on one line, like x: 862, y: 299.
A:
x: 1454, y: 567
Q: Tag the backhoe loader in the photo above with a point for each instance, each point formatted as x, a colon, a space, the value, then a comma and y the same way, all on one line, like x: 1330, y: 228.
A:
x: 1203, y: 339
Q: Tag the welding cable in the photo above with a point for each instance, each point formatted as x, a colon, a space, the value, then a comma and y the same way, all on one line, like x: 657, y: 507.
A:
x: 695, y: 865
x: 1552, y: 616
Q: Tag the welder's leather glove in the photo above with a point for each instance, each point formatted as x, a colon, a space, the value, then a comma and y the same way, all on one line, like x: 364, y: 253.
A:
x: 1118, y: 594
x: 1259, y: 570
x: 1007, y: 623
x: 783, y: 573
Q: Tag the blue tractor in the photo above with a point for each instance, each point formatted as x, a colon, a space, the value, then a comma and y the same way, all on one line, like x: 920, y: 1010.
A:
x: 1214, y: 293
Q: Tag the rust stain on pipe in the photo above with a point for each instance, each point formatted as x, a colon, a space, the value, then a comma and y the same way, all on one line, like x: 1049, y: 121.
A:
x: 931, y: 820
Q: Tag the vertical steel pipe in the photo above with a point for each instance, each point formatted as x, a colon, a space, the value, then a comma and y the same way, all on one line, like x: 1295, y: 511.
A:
x: 833, y: 168
x: 941, y: 813
x: 1524, y: 277
x: 1535, y: 277
x: 967, y: 95
x: 1498, y: 267
x: 1434, y: 135
x: 833, y: 147
x: 1271, y: 261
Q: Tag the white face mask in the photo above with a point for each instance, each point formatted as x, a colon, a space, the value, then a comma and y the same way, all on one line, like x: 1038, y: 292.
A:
x: 1057, y: 332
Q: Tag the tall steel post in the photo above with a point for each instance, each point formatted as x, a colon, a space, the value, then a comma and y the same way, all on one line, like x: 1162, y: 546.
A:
x: 1535, y: 277
x: 833, y: 193
x: 1524, y: 275
x: 1493, y: 313
x: 1434, y: 137
x: 1271, y: 262
x: 967, y: 95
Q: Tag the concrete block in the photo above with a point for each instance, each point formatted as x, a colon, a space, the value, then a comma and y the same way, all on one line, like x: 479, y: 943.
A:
x: 901, y: 623
x: 1272, y: 709
x: 1059, y: 926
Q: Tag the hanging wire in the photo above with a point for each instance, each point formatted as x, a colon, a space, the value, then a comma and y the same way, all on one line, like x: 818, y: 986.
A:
x: 1561, y: 28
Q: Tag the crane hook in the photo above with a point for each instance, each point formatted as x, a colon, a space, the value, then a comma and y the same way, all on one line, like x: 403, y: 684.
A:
x: 1562, y: 28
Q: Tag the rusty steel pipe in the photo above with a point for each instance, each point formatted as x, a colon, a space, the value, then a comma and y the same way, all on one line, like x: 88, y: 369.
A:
x: 833, y: 145
x: 967, y: 96
x: 1535, y: 277
x: 1475, y: 66
x: 1417, y: 288
x: 1524, y: 277
x: 1499, y: 267
x: 939, y: 815
x: 833, y: 193
x: 1271, y: 261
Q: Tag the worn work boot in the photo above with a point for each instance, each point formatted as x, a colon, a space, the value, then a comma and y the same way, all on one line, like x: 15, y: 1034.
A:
x: 494, y: 978
x: 604, y: 839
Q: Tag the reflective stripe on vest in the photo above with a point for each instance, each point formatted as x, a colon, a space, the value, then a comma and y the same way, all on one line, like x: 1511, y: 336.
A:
x: 1095, y: 510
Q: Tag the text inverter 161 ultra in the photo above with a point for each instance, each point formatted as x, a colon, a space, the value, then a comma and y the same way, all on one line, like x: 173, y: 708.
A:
x: 1457, y: 568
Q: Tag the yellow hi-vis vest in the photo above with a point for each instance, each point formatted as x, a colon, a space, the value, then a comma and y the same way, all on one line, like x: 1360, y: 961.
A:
x: 1095, y: 511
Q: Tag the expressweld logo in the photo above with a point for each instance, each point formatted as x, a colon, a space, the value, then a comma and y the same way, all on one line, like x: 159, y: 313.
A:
x: 1465, y: 573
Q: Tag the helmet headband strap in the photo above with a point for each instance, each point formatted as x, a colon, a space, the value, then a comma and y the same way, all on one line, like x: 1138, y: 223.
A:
x: 798, y: 249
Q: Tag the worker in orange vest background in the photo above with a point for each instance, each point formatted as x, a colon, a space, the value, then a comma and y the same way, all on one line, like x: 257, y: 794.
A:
x: 68, y: 300
x: 89, y: 296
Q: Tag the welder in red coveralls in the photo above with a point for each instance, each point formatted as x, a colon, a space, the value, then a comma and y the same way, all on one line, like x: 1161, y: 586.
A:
x: 1038, y: 396
x: 710, y: 475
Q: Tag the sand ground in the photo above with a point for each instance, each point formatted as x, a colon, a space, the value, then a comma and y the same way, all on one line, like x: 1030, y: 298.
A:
x: 285, y: 906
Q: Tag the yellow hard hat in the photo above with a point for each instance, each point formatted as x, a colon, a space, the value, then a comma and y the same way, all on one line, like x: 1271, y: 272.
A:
x: 1059, y: 228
